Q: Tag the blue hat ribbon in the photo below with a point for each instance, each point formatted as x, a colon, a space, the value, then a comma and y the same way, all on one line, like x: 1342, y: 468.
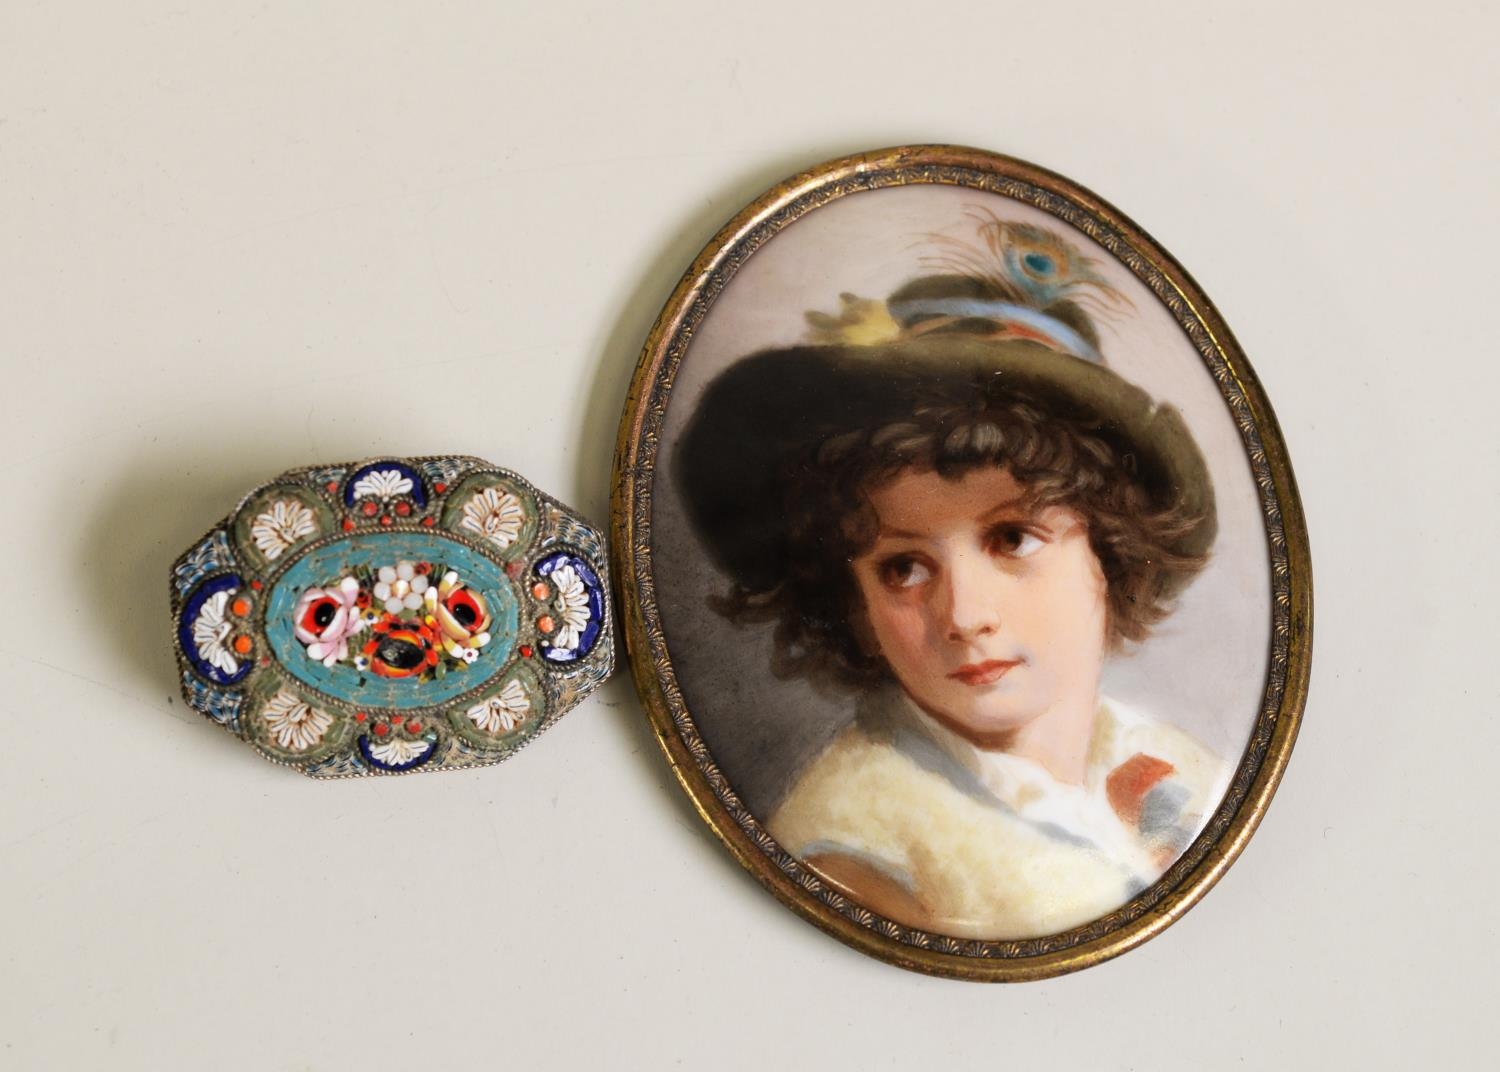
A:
x: 1066, y: 338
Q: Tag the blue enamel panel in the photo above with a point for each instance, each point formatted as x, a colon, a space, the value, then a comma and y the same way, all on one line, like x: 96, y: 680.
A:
x: 418, y: 490
x: 595, y: 592
x: 395, y: 768
x: 230, y: 583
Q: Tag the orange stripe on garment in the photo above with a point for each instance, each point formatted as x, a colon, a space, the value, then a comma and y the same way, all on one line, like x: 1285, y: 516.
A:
x: 1128, y: 784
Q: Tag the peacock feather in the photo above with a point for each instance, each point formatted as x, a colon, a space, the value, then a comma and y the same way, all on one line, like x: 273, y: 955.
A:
x: 1025, y: 278
x: 1024, y: 263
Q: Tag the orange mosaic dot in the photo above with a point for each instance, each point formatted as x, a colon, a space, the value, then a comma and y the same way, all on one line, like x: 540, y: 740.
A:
x: 545, y: 623
x: 241, y: 607
x: 242, y: 645
x: 540, y: 590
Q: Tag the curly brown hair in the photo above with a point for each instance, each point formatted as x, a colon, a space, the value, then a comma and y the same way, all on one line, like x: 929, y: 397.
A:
x: 1060, y: 459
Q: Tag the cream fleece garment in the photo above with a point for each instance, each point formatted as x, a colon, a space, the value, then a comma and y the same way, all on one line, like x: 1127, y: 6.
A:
x: 990, y: 843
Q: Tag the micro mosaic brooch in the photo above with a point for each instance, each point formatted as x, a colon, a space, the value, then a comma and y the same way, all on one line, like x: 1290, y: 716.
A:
x: 392, y: 615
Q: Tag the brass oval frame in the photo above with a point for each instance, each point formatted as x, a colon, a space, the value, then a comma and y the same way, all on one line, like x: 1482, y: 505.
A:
x: 1275, y: 730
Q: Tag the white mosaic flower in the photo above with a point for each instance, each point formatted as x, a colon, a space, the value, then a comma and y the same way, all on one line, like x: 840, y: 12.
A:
x: 494, y: 514
x: 210, y: 631
x: 572, y: 607
x: 400, y: 587
x: 502, y: 712
x: 286, y: 522
x: 296, y: 726
x: 382, y: 484
x: 397, y: 752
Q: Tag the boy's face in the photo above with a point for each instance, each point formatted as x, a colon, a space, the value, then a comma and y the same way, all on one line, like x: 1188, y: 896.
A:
x: 990, y: 613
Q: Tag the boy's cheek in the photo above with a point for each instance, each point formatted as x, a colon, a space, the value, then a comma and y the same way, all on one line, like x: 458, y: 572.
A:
x: 896, y: 630
x: 920, y: 638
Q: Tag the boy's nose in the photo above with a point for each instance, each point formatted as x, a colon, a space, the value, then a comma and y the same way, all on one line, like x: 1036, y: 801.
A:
x: 973, y: 599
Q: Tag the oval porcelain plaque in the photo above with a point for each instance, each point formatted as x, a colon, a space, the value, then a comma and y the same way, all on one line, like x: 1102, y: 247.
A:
x: 965, y: 576
x: 392, y: 616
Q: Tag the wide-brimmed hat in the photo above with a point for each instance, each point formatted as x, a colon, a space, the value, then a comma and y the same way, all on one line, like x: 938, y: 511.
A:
x: 947, y: 342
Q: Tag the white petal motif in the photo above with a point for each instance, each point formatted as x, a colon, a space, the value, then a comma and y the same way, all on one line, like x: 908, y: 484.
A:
x: 572, y: 607
x: 503, y: 712
x: 395, y: 753
x: 382, y: 483
x: 286, y: 522
x: 494, y: 514
x: 211, y: 629
x: 296, y: 726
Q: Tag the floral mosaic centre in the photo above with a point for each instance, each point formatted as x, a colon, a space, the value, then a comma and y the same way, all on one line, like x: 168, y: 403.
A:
x: 407, y: 620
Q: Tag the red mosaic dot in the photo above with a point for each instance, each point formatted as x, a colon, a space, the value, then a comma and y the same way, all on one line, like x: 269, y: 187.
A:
x: 256, y: 585
x: 403, y: 508
x: 526, y: 651
x: 348, y: 524
x: 332, y: 486
x: 414, y: 726
x: 381, y: 729
x: 360, y: 716
x: 370, y: 509
x: 440, y: 487
x: 386, y: 520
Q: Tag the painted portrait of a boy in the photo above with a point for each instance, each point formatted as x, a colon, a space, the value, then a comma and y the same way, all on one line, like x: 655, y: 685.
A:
x: 938, y: 519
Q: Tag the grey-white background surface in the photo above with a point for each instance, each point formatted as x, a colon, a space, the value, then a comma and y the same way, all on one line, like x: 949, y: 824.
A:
x: 232, y: 241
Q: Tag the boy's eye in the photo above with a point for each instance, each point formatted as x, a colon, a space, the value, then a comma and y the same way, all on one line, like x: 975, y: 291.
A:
x: 903, y: 572
x: 1013, y: 541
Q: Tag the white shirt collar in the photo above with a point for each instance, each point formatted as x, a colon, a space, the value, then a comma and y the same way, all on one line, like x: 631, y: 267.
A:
x: 1026, y: 787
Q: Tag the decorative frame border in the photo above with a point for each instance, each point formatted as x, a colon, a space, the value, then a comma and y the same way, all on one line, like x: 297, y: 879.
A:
x: 1275, y: 730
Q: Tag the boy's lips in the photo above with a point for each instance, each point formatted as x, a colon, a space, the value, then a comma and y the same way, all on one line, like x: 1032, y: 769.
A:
x: 985, y: 673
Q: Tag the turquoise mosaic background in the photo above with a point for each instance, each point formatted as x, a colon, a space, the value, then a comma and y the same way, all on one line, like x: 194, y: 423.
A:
x: 328, y: 564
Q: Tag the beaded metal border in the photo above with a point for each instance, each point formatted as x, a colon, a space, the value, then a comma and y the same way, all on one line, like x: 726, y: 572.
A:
x: 1270, y: 743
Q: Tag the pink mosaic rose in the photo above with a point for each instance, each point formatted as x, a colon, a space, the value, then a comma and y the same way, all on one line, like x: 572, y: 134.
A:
x: 326, y: 618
